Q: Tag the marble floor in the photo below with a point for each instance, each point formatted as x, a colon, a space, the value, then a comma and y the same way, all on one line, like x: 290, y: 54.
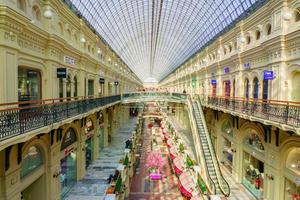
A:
x: 94, y: 184
x: 143, y: 189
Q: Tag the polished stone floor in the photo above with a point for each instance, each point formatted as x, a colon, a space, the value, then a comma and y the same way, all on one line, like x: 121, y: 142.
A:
x: 94, y: 184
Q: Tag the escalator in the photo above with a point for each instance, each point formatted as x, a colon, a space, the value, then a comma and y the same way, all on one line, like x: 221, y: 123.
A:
x: 219, y: 184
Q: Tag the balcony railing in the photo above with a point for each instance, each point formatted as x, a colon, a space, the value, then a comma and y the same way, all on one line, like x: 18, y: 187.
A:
x: 21, y: 117
x: 284, y: 112
x: 153, y: 96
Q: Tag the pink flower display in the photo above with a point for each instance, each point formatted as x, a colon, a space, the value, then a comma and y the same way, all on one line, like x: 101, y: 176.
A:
x: 155, y: 161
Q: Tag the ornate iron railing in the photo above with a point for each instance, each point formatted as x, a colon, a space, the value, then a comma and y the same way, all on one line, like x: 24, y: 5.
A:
x: 22, y: 117
x: 284, y: 112
x: 153, y: 96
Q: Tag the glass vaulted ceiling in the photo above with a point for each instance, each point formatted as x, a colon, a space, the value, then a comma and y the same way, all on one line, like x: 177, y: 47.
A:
x: 154, y: 37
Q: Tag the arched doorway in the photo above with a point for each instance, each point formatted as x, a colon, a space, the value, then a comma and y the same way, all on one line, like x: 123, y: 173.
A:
x: 253, y: 163
x: 246, y: 88
x: 292, y: 175
x: 227, y: 144
x: 68, y: 86
x: 32, y: 174
x: 255, y: 88
x: 75, y: 87
x: 89, y: 131
x: 68, y: 175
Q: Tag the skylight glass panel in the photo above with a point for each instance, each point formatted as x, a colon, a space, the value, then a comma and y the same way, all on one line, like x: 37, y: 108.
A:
x: 155, y: 37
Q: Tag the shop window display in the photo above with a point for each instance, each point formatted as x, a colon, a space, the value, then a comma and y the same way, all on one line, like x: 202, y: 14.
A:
x: 32, y: 161
x: 253, y: 174
x: 227, y: 154
x: 68, y: 162
x: 227, y: 128
x: 29, y: 85
x: 292, y: 190
x: 253, y: 141
x: 89, y: 131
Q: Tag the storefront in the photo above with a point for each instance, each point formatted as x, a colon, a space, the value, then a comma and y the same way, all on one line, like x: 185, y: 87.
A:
x: 253, y: 165
x: 29, y: 84
x: 101, y: 131
x: 68, y: 162
x: 90, y: 87
x: 227, y: 144
x: 292, y: 175
x: 213, y: 87
x: 33, y: 185
x: 89, y: 131
x: 226, y: 88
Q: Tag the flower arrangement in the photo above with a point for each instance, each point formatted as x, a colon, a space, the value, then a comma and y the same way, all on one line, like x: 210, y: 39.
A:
x: 155, y: 162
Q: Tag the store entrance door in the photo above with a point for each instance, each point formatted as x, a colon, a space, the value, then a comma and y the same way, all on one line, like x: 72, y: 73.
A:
x: 35, y: 191
x: 226, y: 88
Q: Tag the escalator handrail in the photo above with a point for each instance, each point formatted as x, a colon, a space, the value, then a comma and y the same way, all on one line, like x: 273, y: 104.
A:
x: 217, y: 162
x: 205, y: 165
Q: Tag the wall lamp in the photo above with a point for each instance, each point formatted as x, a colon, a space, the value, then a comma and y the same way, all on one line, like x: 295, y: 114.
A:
x: 270, y: 176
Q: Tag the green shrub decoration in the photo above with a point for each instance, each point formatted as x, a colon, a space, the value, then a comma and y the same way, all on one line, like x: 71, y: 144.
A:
x: 201, y: 184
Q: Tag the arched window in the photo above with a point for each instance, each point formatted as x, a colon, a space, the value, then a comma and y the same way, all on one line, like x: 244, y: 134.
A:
x: 246, y: 85
x: 36, y: 13
x: 68, y: 86
x: 248, y: 39
x: 75, y: 86
x: 252, y: 140
x: 227, y: 128
x: 268, y: 29
x: 257, y: 35
x: 255, y: 88
x: 21, y: 4
x: 297, y: 15
x: 69, y: 34
x: 61, y: 29
x: 33, y: 160
x: 293, y: 160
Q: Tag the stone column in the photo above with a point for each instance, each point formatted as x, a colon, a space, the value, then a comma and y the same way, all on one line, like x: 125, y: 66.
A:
x: 53, y: 169
x: 2, y: 175
x: 8, y: 72
x: 105, y: 128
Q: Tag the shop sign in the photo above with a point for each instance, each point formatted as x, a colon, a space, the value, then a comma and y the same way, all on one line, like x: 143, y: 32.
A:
x: 101, y: 80
x: 268, y: 75
x: 214, y: 82
x: 246, y: 66
x: 61, y: 72
x: 226, y: 70
x: 69, y: 138
x: 69, y: 60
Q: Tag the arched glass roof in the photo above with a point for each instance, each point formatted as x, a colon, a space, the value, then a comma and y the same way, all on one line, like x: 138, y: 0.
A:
x: 154, y: 37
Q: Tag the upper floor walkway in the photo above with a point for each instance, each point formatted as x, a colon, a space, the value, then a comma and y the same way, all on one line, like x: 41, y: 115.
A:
x: 48, y: 114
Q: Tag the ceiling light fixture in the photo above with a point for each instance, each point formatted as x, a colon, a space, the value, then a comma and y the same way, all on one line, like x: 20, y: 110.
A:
x: 48, y: 14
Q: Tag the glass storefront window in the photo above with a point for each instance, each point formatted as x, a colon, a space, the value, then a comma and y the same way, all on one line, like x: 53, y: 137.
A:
x: 68, y: 86
x: 88, y: 152
x: 68, y: 173
x: 90, y: 87
x: 253, y: 141
x: 227, y: 154
x: 292, y: 190
x: 227, y: 128
x: 253, y: 174
x: 29, y: 84
x: 32, y: 161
